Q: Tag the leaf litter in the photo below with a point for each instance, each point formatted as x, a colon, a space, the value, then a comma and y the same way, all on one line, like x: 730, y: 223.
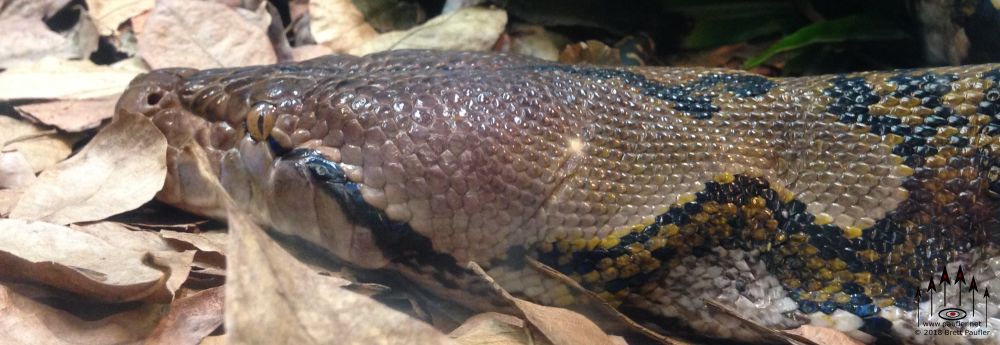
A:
x: 168, y: 282
x: 89, y: 186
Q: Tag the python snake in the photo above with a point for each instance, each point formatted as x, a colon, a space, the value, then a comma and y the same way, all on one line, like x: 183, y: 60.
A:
x: 832, y: 200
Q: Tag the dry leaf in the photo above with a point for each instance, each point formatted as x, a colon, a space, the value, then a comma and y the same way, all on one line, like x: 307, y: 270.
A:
x: 823, y: 335
x: 494, y: 329
x: 63, y: 79
x: 591, y: 52
x: 300, y: 23
x: 599, y: 310
x: 302, y: 53
x: 534, y: 40
x: 15, y: 171
x: 273, y: 298
x: 200, y: 34
x: 109, y: 14
x: 36, y: 9
x: 120, y: 169
x: 339, y: 25
x: 559, y: 325
x: 40, y: 146
x: 179, y: 261
x: 562, y: 326
x: 83, y: 36
x: 473, y: 28
x: 213, y: 241
x: 191, y: 319
x: 25, y: 321
x: 26, y: 40
x: 102, y: 269
x: 8, y: 197
x: 72, y: 115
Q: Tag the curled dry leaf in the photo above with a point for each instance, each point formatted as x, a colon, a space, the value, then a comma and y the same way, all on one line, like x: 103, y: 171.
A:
x: 56, y: 78
x: 213, y: 241
x: 15, y: 171
x: 191, y: 319
x: 40, y: 146
x: 823, y: 335
x: 120, y: 169
x: 273, y: 298
x: 494, y: 329
x: 339, y: 25
x: 25, y: 321
x: 109, y: 14
x: 470, y: 28
x: 179, y: 261
x: 534, y: 40
x: 203, y: 34
x: 72, y: 115
x: 561, y: 326
x: 92, y: 267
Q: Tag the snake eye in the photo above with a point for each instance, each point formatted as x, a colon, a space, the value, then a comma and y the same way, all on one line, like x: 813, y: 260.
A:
x: 260, y: 120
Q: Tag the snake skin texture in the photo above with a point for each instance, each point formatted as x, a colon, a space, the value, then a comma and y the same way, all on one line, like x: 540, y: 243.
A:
x: 828, y: 200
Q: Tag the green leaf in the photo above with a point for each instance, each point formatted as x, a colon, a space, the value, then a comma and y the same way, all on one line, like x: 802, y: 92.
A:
x: 714, y: 32
x: 860, y: 27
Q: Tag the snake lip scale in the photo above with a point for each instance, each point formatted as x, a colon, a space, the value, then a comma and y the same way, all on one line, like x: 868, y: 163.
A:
x: 825, y: 200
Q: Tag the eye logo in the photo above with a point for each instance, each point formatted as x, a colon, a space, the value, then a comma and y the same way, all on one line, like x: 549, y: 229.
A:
x: 952, y: 314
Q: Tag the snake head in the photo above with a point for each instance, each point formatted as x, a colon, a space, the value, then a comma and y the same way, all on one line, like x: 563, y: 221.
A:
x: 251, y: 132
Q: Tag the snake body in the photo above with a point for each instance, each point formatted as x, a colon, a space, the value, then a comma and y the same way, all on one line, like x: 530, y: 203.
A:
x: 830, y: 200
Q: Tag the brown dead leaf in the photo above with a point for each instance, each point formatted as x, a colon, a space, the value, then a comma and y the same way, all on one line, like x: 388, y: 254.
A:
x: 26, y: 40
x: 42, y: 147
x: 109, y: 14
x: 15, y: 171
x: 561, y: 326
x: 191, y: 319
x: 599, y: 310
x: 302, y: 53
x: 339, y: 25
x: 97, y: 268
x: 494, y: 329
x: 200, y: 34
x: 214, y: 241
x: 591, y: 52
x: 72, y: 115
x: 534, y: 40
x: 8, y: 197
x: 276, y: 32
x: 34, y: 9
x: 25, y: 321
x: 120, y: 169
x: 823, y: 335
x: 179, y: 261
x: 273, y: 298
x: 56, y: 78
x: 473, y: 28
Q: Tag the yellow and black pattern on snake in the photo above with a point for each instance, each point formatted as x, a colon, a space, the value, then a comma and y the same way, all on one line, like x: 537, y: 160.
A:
x: 828, y: 200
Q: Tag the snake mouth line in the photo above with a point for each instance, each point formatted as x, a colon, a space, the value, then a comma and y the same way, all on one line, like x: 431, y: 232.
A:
x: 396, y: 240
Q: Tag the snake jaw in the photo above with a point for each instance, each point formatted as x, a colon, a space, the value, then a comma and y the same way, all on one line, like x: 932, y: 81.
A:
x: 309, y: 196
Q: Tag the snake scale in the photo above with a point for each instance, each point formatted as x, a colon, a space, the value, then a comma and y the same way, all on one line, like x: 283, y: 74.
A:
x: 828, y: 200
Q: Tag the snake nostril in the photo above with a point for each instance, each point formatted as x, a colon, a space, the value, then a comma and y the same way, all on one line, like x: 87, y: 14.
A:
x: 154, y: 98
